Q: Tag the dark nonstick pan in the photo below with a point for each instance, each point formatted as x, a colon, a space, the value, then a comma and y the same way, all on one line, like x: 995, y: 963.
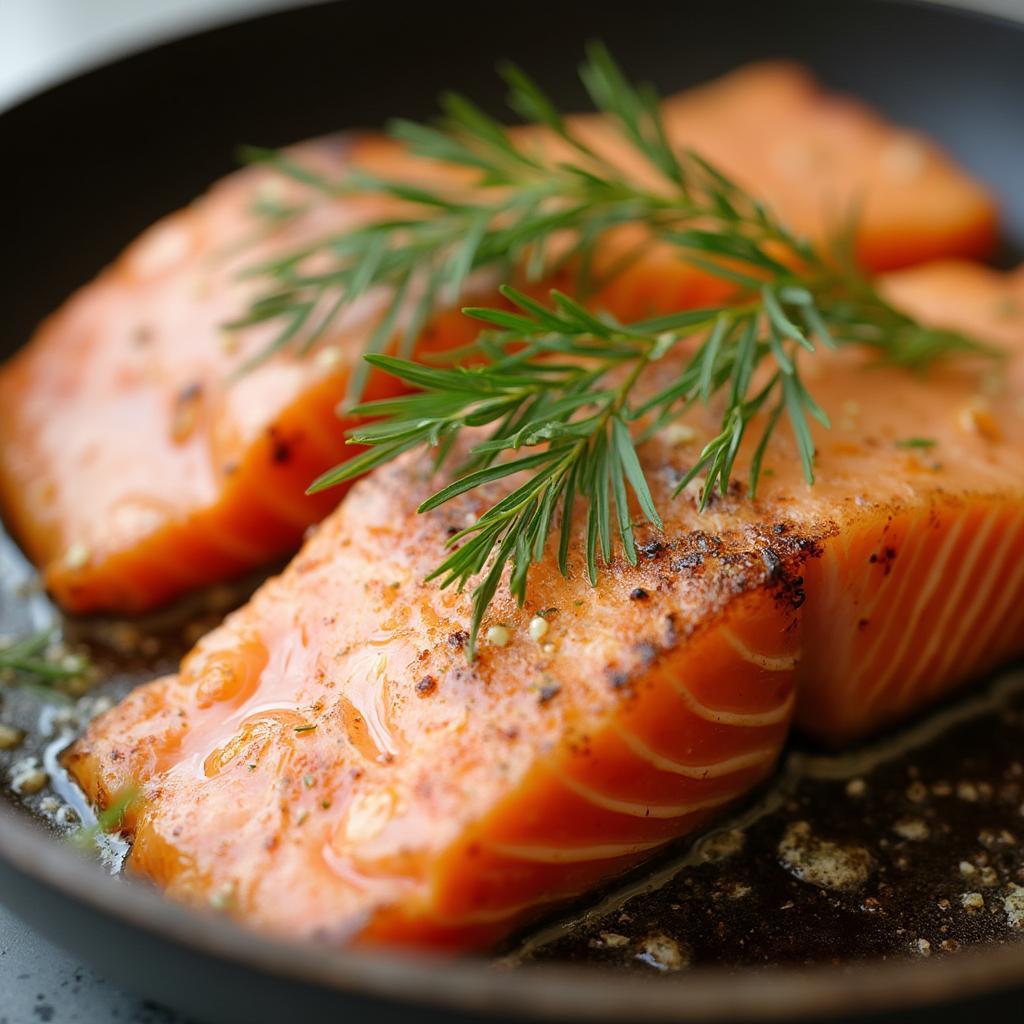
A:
x: 93, y: 161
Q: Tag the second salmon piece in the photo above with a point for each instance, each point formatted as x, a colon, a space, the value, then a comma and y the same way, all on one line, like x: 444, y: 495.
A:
x: 328, y: 765
x: 134, y: 467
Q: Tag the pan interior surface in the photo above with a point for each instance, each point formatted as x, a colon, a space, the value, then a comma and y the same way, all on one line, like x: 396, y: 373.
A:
x: 105, y: 155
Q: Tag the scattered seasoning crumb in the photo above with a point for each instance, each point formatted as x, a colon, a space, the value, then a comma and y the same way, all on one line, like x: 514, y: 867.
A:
x: 972, y: 901
x: 914, y: 830
x: 538, y: 628
x: 426, y: 686
x: 309, y: 781
x: 613, y: 940
x: 100, y: 706
x: 720, y: 845
x: 987, y: 876
x: 305, y: 728
x: 663, y: 953
x: 10, y: 738
x: 924, y: 947
x: 328, y: 357
x: 677, y: 434
x: 917, y: 792
x: 1013, y: 904
x: 27, y: 778
x: 77, y: 556
x: 967, y: 791
x: 638, y: 594
x: 950, y: 946
x: 223, y: 898
x: 737, y: 890
x: 823, y: 863
x: 942, y: 789
x: 548, y: 648
x: 498, y: 636
x: 967, y: 869
x: 67, y: 817
x: 302, y: 818
x: 856, y: 788
x: 994, y: 840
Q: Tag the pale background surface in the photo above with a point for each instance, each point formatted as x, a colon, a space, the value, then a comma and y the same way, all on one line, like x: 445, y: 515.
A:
x: 43, y: 41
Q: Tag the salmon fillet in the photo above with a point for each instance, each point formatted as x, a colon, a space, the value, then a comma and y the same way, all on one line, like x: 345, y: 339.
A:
x: 134, y: 468
x: 327, y: 765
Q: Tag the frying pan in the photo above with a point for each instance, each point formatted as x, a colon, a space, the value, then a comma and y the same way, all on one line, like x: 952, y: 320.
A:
x: 93, y: 161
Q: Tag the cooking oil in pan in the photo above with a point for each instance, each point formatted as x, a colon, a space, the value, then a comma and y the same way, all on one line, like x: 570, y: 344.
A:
x: 909, y: 847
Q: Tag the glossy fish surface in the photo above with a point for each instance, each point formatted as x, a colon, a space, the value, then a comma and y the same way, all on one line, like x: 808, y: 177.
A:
x: 328, y: 764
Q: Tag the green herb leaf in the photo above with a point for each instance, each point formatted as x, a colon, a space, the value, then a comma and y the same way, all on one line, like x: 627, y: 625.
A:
x: 33, y: 661
x: 916, y: 442
x: 555, y: 382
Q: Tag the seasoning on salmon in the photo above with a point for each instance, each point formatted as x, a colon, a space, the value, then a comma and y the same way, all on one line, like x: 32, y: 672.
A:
x: 134, y: 466
x: 330, y: 760
x: 923, y: 586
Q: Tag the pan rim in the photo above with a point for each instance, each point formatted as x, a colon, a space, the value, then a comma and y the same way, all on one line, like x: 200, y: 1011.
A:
x: 570, y: 992
x: 543, y: 991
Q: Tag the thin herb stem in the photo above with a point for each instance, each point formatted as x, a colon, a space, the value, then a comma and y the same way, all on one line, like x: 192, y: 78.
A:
x: 537, y: 380
x: 28, y: 661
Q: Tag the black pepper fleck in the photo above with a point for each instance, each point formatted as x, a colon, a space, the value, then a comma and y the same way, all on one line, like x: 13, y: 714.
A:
x: 457, y: 640
x: 549, y: 691
x: 280, y: 449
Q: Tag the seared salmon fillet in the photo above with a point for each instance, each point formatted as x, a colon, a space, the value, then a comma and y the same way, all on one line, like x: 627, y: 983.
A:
x: 135, y: 465
x: 922, y: 585
x: 327, y: 764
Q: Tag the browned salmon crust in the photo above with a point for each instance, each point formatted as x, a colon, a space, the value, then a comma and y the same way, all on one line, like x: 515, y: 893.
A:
x: 328, y: 764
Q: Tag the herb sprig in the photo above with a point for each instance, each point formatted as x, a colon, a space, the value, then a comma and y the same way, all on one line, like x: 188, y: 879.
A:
x: 515, y: 210
x: 31, y: 660
x: 556, y: 384
x: 108, y: 822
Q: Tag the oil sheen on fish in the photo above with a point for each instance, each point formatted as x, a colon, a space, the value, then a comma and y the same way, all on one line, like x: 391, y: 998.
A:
x: 328, y: 765
x: 135, y: 466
